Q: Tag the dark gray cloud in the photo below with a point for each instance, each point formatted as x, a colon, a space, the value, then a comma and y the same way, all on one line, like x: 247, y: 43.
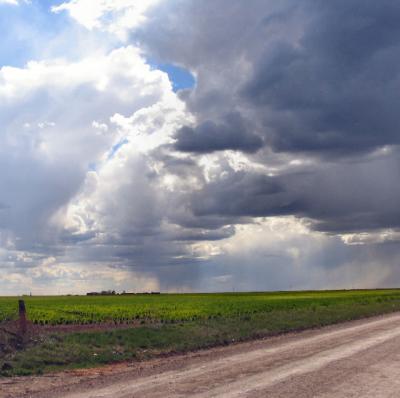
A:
x: 339, y: 198
x: 245, y: 194
x: 335, y: 89
x: 204, y: 235
x: 313, y: 79
x: 210, y: 137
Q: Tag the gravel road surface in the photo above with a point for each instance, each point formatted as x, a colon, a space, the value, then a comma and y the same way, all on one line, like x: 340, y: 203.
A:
x: 356, y: 359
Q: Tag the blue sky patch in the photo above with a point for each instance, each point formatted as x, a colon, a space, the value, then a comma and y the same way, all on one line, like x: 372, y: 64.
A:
x: 181, y: 78
x: 116, y: 148
x: 26, y: 29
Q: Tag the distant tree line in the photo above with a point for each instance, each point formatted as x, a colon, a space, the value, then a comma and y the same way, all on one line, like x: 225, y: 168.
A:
x: 113, y: 293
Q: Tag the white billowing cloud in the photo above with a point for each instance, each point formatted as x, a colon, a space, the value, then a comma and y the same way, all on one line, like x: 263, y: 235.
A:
x: 56, y: 125
x: 87, y: 185
x: 124, y: 65
x: 372, y: 237
x: 114, y: 16
x: 124, y: 206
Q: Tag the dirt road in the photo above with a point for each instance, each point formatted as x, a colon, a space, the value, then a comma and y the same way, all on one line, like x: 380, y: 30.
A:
x: 357, y: 359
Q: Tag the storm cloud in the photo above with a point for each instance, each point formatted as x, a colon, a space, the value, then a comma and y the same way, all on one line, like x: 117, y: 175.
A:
x: 278, y: 169
x: 210, y: 137
x: 317, y: 82
x: 315, y: 77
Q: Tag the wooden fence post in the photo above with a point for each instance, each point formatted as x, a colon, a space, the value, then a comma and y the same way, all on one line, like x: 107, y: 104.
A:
x: 22, y: 317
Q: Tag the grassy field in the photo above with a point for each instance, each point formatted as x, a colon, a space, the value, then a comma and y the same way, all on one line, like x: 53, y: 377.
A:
x: 174, y: 323
x: 179, y: 307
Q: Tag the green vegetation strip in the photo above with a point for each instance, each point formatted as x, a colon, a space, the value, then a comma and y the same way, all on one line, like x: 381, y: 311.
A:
x: 185, y: 322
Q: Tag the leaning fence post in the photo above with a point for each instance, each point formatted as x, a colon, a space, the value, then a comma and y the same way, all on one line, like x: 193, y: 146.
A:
x: 22, y: 316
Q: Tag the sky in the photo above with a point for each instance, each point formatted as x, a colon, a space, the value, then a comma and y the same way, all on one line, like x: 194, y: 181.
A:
x: 214, y: 145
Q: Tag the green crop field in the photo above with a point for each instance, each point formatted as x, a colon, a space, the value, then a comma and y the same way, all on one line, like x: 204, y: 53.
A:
x: 181, y: 307
x: 169, y: 323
